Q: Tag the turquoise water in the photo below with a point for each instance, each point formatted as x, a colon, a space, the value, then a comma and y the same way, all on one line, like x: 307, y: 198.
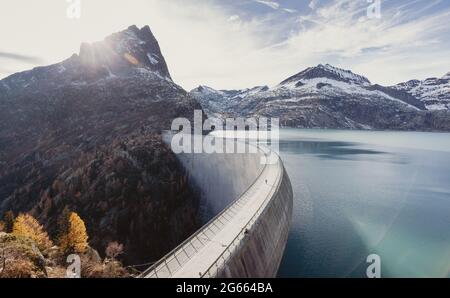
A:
x: 361, y: 193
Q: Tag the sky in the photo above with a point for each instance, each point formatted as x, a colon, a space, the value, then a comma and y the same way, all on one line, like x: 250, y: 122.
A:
x: 234, y: 44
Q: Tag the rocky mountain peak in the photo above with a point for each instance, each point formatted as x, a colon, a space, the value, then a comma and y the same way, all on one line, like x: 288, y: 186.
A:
x: 446, y: 76
x: 130, y: 48
x: 132, y: 52
x: 204, y: 89
x: 327, y: 71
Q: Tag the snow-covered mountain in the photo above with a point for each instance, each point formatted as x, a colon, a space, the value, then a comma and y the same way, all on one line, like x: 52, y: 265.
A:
x: 326, y: 72
x: 433, y: 92
x: 216, y: 102
x: 327, y: 97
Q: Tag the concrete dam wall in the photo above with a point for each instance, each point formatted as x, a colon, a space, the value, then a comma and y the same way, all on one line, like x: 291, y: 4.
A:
x: 261, y: 252
x: 251, y: 208
x: 220, y: 178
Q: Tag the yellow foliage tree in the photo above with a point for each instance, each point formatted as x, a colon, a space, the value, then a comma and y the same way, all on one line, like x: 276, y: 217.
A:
x: 27, y: 226
x: 75, y: 239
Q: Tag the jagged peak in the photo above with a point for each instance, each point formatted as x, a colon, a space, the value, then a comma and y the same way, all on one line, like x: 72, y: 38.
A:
x: 446, y: 76
x: 330, y: 72
x: 204, y: 88
x: 132, y: 47
x: 133, y: 28
x: 257, y: 89
x: 143, y: 34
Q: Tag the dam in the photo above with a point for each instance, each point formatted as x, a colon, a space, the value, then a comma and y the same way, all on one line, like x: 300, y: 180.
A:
x: 246, y: 238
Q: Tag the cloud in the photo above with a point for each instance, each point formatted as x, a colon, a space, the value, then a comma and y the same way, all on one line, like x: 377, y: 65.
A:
x: 230, y: 44
x: 290, y: 10
x: 21, y: 58
x: 313, y: 4
x: 271, y: 4
x: 205, y: 44
x: 5, y: 71
x: 341, y: 33
x: 234, y: 18
x: 276, y: 6
x: 225, y: 50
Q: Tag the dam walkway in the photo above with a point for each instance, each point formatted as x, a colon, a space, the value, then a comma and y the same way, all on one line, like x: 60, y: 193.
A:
x: 207, y: 251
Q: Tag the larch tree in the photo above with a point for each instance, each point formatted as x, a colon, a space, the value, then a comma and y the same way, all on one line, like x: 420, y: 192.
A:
x: 75, y: 239
x: 26, y: 225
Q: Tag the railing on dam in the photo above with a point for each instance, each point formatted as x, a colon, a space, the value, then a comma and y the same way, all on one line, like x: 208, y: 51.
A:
x: 173, y: 262
x: 224, y: 257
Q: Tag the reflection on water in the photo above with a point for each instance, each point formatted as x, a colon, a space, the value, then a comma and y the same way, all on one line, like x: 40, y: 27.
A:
x: 329, y: 149
x: 354, y: 199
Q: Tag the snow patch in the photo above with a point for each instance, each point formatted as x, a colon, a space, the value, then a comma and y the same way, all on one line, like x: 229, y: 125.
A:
x: 346, y: 74
x: 153, y: 58
x: 433, y: 92
x: 61, y: 68
x: 335, y: 88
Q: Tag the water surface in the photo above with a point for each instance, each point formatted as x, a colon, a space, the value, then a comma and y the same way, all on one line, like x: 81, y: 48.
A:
x: 360, y: 193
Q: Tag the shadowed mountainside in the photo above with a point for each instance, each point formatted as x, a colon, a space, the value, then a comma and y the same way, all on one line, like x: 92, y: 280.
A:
x: 85, y: 133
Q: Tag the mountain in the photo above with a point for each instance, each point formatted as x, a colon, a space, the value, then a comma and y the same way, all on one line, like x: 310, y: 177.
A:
x: 86, y: 133
x: 327, y: 72
x: 433, y: 92
x: 216, y: 102
x: 326, y: 97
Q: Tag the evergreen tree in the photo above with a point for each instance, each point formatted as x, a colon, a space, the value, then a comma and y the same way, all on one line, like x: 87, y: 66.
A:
x: 63, y: 223
x: 8, y: 220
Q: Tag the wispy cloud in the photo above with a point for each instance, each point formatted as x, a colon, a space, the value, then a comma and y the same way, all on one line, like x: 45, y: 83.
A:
x: 5, y: 71
x: 271, y: 4
x: 266, y: 48
x: 21, y: 58
x: 235, y: 44
x: 276, y: 6
x: 313, y: 4
x: 341, y: 33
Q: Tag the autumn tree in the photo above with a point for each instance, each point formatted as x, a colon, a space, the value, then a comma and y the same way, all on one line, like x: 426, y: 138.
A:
x: 8, y: 220
x: 114, y: 249
x: 27, y: 226
x: 2, y: 226
x: 74, y: 240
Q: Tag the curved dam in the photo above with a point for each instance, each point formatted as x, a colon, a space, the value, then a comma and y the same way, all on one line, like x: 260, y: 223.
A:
x: 246, y: 238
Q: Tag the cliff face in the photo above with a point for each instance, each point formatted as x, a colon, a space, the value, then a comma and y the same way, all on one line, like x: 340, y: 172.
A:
x: 85, y: 133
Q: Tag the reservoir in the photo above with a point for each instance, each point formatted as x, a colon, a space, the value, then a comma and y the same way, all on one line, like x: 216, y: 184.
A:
x: 358, y: 193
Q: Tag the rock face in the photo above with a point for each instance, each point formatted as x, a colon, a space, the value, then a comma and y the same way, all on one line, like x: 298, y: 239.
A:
x: 85, y: 133
x: 20, y: 258
x: 326, y: 97
x: 433, y: 92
